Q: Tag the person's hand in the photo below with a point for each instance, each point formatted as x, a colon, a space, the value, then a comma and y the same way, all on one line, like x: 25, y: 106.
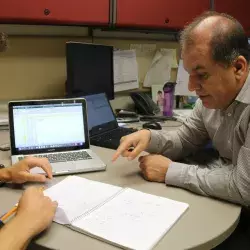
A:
x: 154, y: 167
x: 20, y: 172
x: 35, y: 211
x: 132, y: 145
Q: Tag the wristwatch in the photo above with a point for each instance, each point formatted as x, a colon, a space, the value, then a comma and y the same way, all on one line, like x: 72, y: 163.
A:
x: 2, y: 182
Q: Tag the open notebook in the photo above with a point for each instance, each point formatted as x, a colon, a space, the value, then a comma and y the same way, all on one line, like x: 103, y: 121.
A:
x: 121, y: 216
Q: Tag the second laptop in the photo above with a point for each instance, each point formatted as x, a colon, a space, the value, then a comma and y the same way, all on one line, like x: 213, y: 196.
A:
x: 104, y: 130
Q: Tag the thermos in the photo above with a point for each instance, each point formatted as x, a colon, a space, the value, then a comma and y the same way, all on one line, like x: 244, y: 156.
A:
x: 168, y: 105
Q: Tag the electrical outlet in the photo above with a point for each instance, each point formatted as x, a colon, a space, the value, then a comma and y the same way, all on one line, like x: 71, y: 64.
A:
x: 148, y: 48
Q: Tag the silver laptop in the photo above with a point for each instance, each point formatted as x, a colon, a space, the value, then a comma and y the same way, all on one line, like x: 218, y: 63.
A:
x: 55, y: 129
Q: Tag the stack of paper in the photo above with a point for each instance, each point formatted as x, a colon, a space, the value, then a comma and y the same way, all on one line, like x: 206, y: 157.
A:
x: 160, y: 69
x: 125, y: 70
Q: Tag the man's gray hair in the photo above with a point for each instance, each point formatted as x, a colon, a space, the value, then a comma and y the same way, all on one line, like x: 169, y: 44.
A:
x: 228, y: 41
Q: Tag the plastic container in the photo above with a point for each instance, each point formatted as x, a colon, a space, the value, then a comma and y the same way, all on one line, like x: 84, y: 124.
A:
x: 168, y: 105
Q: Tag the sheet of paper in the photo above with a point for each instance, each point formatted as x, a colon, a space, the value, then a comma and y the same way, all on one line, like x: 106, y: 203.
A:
x: 181, y: 87
x: 133, y: 219
x: 125, y: 70
x: 76, y: 196
x: 160, y: 69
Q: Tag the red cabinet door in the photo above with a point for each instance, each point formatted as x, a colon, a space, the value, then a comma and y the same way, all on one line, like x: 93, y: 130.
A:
x: 159, y: 13
x: 79, y: 11
x: 55, y: 11
x: 22, y: 11
x: 239, y: 9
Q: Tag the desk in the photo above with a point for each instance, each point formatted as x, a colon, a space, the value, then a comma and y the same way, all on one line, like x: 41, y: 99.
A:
x: 206, y: 224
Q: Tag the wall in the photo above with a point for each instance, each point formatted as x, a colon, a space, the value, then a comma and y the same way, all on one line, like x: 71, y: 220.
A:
x: 34, y: 67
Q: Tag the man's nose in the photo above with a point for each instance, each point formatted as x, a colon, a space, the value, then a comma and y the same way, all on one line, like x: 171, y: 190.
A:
x: 193, y: 84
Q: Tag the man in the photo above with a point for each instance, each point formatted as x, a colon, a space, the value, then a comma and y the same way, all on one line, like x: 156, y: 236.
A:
x: 215, y: 54
x: 35, y: 211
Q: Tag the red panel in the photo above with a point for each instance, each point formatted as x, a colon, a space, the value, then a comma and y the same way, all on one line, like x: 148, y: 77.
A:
x: 56, y: 11
x: 13, y: 10
x: 159, y: 13
x: 239, y: 9
x: 79, y: 11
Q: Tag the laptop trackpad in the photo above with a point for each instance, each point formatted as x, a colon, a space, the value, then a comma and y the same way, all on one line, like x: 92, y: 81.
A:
x: 56, y: 168
x: 63, y: 166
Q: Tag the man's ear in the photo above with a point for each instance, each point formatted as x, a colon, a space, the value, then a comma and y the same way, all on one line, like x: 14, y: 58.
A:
x: 240, y: 67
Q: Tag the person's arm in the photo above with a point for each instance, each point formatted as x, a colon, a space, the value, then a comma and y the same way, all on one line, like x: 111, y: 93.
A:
x: 180, y: 143
x: 229, y: 182
x: 14, y: 235
x: 34, y: 214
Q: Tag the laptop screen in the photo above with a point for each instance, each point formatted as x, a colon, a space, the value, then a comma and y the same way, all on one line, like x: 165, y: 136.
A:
x: 100, y: 114
x: 48, y: 126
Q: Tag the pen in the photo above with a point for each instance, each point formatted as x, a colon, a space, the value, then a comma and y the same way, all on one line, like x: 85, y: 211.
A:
x: 11, y: 212
x: 8, y: 214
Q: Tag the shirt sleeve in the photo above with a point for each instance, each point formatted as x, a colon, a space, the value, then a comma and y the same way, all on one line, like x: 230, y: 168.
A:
x: 187, y: 139
x: 225, y: 181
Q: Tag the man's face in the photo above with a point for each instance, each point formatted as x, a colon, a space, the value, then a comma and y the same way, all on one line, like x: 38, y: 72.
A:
x: 214, y: 83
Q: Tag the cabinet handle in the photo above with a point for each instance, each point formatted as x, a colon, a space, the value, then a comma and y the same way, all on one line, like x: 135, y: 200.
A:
x: 167, y: 20
x: 46, y: 12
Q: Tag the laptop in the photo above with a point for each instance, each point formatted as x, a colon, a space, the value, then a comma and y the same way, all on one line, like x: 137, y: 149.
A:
x: 103, y: 127
x: 55, y: 129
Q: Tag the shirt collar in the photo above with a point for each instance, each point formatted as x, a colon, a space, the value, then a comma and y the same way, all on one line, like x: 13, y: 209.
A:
x: 244, y: 95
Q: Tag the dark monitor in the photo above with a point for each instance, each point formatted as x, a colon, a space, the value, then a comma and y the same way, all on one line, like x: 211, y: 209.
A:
x: 89, y: 69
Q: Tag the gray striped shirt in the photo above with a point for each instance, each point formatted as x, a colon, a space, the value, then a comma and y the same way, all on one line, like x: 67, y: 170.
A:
x: 226, y: 178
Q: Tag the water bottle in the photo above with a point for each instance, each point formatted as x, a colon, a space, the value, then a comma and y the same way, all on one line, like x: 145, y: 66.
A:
x: 168, y: 98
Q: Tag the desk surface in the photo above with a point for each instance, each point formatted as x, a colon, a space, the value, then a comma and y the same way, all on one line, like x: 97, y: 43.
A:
x: 206, y: 223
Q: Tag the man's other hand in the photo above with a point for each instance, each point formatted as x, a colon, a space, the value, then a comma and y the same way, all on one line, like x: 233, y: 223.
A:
x: 154, y: 167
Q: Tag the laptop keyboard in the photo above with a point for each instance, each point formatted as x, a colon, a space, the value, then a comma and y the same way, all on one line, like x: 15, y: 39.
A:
x: 112, y: 138
x: 63, y: 157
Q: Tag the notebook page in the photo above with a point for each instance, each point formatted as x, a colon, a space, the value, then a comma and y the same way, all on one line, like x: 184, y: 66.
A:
x: 76, y: 196
x: 132, y: 219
